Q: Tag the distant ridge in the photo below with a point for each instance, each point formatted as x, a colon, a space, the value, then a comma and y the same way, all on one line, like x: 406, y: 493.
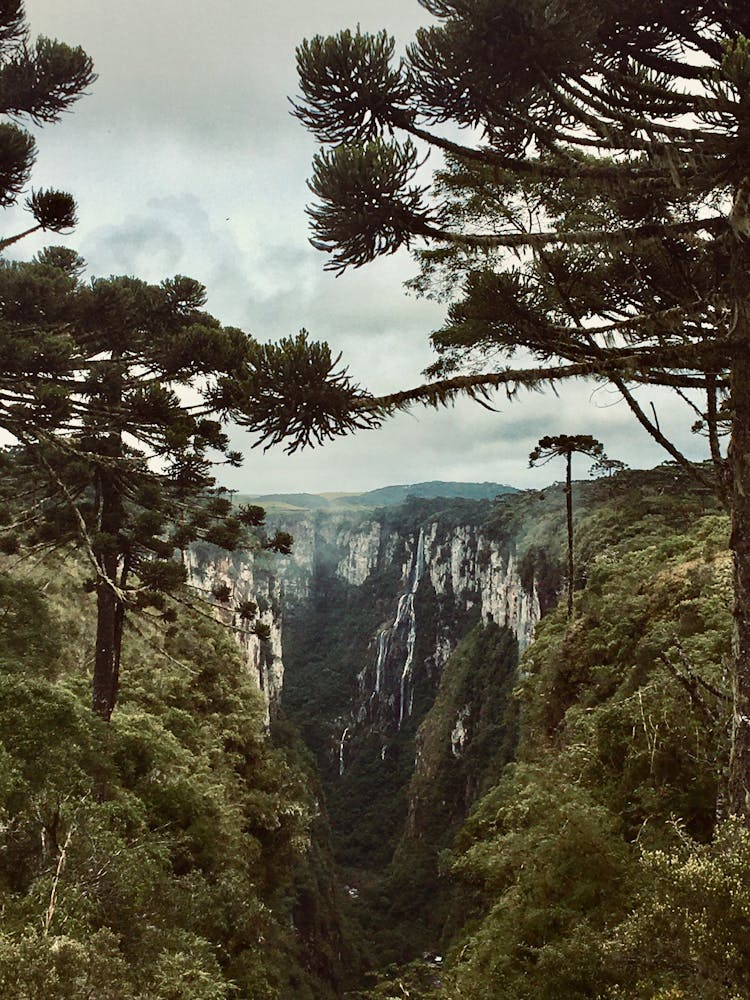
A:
x: 388, y: 495
x: 385, y: 496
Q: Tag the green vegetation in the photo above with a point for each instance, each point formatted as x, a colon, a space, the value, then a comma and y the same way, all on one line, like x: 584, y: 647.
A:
x: 411, y: 909
x: 594, y: 222
x: 112, y: 456
x: 173, y: 854
x: 39, y: 80
x: 558, y: 840
x: 386, y: 496
x: 85, y: 460
x: 576, y: 826
x: 475, y: 691
x: 565, y: 446
x: 328, y: 643
x: 595, y: 867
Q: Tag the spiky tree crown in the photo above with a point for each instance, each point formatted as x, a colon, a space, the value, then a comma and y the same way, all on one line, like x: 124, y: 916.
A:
x: 95, y: 374
x: 600, y: 224
x: 563, y: 445
x: 38, y: 81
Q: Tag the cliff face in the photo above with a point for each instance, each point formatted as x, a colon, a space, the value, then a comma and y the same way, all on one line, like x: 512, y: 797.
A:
x: 413, y: 582
x: 449, y: 575
x: 373, y: 604
x: 248, y: 577
x: 390, y: 595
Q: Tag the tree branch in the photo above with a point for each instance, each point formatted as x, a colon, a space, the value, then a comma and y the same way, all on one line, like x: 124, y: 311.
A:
x: 633, y: 234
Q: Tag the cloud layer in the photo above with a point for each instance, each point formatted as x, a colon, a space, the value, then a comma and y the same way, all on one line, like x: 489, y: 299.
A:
x: 184, y: 159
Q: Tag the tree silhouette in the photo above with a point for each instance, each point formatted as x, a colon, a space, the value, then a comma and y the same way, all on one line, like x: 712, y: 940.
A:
x: 38, y: 81
x: 118, y: 405
x: 564, y: 446
x: 607, y: 467
x: 600, y: 225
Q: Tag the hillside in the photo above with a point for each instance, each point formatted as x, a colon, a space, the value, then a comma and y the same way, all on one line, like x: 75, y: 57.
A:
x: 385, y: 496
x: 176, y: 853
x: 535, y: 800
x: 587, y: 859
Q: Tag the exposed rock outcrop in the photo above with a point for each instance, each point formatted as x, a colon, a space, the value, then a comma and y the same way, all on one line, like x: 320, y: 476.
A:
x: 247, y: 579
x: 428, y: 579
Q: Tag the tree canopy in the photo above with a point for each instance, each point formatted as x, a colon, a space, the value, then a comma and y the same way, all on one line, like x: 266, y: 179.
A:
x: 608, y: 142
x: 597, y: 227
x: 39, y: 80
x: 118, y: 404
x: 565, y: 446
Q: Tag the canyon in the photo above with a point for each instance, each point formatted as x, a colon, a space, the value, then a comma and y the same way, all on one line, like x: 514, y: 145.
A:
x: 360, y: 623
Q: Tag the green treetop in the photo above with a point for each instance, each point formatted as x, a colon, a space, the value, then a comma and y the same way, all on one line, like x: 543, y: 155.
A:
x: 118, y: 409
x: 564, y: 446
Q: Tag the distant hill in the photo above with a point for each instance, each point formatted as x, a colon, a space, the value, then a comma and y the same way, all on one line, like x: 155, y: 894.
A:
x: 385, y: 496
x: 292, y: 501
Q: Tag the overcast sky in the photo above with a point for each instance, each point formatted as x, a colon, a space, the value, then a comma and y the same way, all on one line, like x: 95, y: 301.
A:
x: 184, y: 159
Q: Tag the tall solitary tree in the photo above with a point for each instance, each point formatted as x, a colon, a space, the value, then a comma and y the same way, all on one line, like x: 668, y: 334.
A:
x: 564, y: 446
x: 599, y: 227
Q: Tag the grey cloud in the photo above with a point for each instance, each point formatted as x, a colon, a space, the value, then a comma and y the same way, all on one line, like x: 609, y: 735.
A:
x: 184, y: 158
x: 464, y: 442
x: 208, y: 72
x: 135, y: 247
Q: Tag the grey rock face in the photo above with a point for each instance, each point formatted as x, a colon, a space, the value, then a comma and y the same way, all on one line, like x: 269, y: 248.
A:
x: 247, y: 580
x: 430, y: 581
x: 446, y: 577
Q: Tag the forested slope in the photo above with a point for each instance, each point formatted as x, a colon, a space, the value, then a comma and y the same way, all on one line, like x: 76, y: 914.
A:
x: 564, y: 834
x: 173, y: 853
x: 599, y: 864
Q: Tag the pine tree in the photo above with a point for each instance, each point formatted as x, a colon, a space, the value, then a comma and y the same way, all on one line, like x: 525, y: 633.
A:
x: 600, y: 225
x: 38, y: 81
x: 607, y: 467
x: 118, y: 410
x: 564, y: 446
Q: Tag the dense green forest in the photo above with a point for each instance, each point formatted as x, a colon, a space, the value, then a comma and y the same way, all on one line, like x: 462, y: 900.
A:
x: 577, y: 847
x: 538, y: 793
x: 178, y: 851
x: 599, y: 861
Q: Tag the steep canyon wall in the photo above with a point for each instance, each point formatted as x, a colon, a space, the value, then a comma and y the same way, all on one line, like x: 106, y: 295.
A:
x: 361, y: 620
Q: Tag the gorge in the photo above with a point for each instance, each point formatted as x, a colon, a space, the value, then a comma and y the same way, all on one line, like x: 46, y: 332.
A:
x: 361, y: 620
x: 366, y: 781
x: 402, y: 629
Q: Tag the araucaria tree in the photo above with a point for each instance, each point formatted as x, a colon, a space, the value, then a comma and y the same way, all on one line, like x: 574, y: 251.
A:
x: 599, y: 227
x: 563, y: 446
x: 38, y: 81
x: 118, y: 412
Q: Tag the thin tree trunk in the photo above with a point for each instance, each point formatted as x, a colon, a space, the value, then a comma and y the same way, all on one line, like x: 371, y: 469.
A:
x: 115, y: 682
x: 109, y: 605
x: 109, y: 608
x: 739, y: 463
x: 569, y: 505
x: 106, y: 613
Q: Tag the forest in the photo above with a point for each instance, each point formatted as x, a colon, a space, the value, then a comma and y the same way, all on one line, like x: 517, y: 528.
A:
x: 441, y: 740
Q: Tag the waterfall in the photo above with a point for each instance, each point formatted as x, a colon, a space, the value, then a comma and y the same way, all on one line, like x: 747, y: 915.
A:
x: 341, y: 751
x: 383, y: 647
x: 403, y: 629
x: 406, y: 610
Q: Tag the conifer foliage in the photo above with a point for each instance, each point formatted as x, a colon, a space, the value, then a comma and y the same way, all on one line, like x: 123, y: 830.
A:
x: 564, y: 446
x: 599, y: 226
x: 117, y: 403
x: 38, y: 81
